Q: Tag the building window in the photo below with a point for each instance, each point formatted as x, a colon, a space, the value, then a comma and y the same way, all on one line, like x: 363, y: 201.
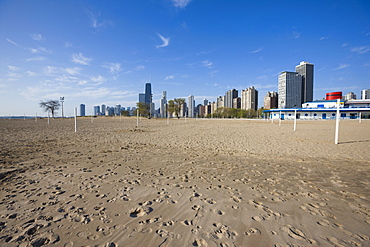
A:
x: 306, y: 115
x: 290, y: 115
x: 315, y: 114
x: 333, y: 114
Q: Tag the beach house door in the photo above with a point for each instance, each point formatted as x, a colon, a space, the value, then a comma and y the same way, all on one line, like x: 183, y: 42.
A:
x: 324, y: 116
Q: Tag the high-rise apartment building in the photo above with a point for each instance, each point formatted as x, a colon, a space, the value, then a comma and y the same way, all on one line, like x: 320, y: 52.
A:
x: 290, y: 90
x: 271, y: 100
x: 103, y: 108
x: 350, y: 96
x: 191, y: 106
x: 237, y: 103
x: 205, y: 102
x: 305, y: 69
x: 365, y: 94
x: 220, y: 101
x: 163, y: 105
x: 142, y: 97
x: 229, y: 97
x: 249, y: 99
x: 82, y: 110
x: 117, y: 110
x: 96, y: 110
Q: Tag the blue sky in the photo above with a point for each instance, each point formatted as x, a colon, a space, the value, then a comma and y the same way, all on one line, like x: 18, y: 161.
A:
x: 103, y: 52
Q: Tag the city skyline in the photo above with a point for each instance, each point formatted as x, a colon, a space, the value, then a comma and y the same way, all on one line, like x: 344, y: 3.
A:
x: 99, y: 53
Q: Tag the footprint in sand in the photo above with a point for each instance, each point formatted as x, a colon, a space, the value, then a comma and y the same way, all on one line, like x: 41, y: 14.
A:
x: 296, y: 234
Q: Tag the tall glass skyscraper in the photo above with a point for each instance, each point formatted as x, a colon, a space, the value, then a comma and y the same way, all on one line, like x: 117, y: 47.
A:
x: 82, y: 110
x: 148, y: 93
x: 191, y: 106
x: 305, y: 69
x: 290, y: 90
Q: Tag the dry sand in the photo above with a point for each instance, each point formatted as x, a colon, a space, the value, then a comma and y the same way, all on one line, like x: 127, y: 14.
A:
x: 193, y: 183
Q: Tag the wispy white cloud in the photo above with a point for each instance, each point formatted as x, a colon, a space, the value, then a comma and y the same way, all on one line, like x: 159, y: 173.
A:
x: 98, y: 79
x: 39, y: 49
x: 207, y: 64
x: 180, y: 3
x: 80, y: 59
x: 258, y: 50
x: 73, y: 71
x: 96, y: 21
x: 50, y: 70
x: 31, y: 73
x: 12, y: 42
x: 13, y: 68
x: 37, y: 37
x: 322, y: 38
x: 342, y: 66
x: 166, y: 41
x: 361, y: 49
x: 140, y: 67
x: 113, y: 68
x: 33, y: 59
x: 296, y: 35
x: 68, y: 44
x: 170, y: 77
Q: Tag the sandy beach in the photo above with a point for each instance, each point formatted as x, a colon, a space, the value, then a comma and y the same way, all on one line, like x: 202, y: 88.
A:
x: 187, y: 183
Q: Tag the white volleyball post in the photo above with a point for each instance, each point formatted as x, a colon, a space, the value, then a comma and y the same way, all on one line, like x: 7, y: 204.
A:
x: 168, y: 118
x: 24, y: 117
x: 75, y: 119
x: 279, y: 118
x: 137, y: 118
x: 48, y: 117
x: 337, y: 123
x: 92, y: 118
x: 36, y: 117
x: 295, y: 119
x: 359, y: 120
x: 120, y: 116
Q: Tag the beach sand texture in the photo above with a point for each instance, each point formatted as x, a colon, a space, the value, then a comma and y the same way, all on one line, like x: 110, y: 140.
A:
x: 194, y: 183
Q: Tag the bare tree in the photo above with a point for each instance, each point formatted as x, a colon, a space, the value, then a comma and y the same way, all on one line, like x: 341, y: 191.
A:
x: 174, y: 106
x: 50, y: 105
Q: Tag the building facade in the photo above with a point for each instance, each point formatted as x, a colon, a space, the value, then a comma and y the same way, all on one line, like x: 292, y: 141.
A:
x: 96, y: 110
x: 82, y: 110
x: 103, y: 109
x: 365, y: 94
x: 229, y: 97
x: 249, y: 99
x: 270, y: 100
x: 290, y: 90
x: 148, y: 93
x: 191, y: 106
x: 305, y: 69
x: 350, y: 96
x: 163, y: 105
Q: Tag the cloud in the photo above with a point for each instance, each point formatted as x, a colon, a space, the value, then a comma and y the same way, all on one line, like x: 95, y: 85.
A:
x: 35, y: 59
x: 37, y: 37
x: 113, y: 68
x: 73, y: 71
x: 49, y: 70
x: 166, y: 41
x: 258, y: 50
x: 170, y: 77
x: 95, y: 22
x: 342, y: 66
x: 180, y: 3
x: 296, y: 35
x: 322, y: 38
x: 12, y: 42
x: 80, y: 59
x: 30, y: 73
x: 140, y: 67
x: 361, y: 49
x: 39, y: 49
x: 207, y: 63
x: 13, y: 68
x: 68, y: 44
x: 98, y: 79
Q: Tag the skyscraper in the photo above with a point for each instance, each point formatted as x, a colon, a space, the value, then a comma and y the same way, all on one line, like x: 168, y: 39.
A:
x: 205, y: 102
x: 103, y: 109
x: 82, y: 110
x: 191, y: 106
x: 96, y: 110
x: 365, y: 94
x: 142, y: 97
x: 305, y: 69
x: 271, y: 100
x: 249, y: 99
x: 163, y: 105
x: 148, y: 93
x: 290, y: 90
x: 229, y: 97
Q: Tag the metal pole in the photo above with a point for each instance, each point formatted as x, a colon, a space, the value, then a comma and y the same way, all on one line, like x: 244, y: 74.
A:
x: 75, y: 119
x: 337, y: 123
x: 359, y: 118
x: 279, y: 118
x: 137, y: 118
x: 295, y: 120
x: 48, y: 117
x: 36, y: 117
